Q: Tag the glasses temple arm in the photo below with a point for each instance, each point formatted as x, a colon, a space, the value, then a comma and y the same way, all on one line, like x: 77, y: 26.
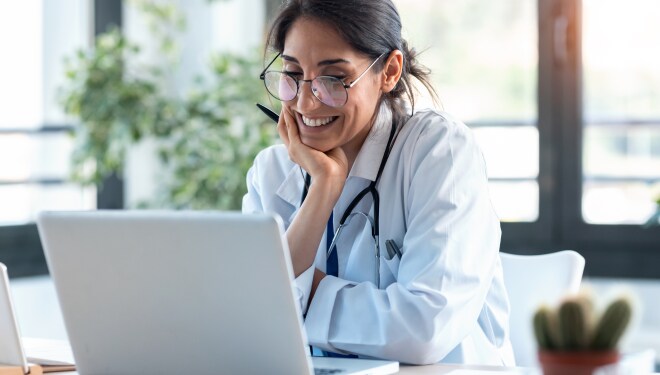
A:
x: 263, y: 72
x: 363, y: 73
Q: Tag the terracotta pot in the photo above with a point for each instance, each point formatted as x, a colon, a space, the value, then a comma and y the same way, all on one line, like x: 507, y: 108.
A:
x: 576, y: 362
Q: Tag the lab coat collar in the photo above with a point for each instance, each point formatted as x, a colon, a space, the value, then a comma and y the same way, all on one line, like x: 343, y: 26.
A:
x: 368, y: 159
x: 291, y: 188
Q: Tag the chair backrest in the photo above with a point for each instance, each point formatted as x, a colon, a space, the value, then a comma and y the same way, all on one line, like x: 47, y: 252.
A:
x: 530, y: 281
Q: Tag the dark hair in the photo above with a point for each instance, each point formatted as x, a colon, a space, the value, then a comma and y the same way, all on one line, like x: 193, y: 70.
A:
x: 372, y: 27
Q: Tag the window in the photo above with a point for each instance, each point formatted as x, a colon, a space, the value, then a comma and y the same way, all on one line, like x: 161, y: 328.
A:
x: 34, y: 145
x: 483, y: 57
x: 34, y: 142
x: 621, y: 68
x: 562, y: 96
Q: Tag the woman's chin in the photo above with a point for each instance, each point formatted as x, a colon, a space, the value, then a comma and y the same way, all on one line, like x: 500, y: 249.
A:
x: 315, y: 144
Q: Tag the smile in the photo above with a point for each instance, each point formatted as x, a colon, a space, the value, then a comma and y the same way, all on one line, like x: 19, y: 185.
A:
x: 314, y: 122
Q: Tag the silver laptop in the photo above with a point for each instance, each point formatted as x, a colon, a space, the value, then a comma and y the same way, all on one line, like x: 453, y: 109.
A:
x: 164, y: 292
x: 11, y: 350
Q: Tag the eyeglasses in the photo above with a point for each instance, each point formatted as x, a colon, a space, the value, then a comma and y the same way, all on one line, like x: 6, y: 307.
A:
x: 331, y: 91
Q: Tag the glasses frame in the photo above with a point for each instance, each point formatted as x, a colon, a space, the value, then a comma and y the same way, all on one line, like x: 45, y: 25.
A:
x: 346, y: 86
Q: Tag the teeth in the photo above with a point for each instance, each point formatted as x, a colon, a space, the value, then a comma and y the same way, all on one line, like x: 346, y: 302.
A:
x: 317, y: 121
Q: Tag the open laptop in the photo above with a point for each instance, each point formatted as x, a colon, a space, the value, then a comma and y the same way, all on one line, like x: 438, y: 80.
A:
x: 11, y: 350
x: 20, y: 355
x: 165, y: 292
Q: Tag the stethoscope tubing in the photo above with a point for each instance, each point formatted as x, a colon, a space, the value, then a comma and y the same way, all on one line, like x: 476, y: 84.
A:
x: 348, y: 213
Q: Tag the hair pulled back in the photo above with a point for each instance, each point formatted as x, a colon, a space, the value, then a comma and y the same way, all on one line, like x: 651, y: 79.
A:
x: 372, y: 27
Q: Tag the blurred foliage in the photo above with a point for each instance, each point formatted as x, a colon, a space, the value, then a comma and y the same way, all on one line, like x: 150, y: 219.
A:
x: 654, y: 220
x: 207, y: 139
x: 220, y: 135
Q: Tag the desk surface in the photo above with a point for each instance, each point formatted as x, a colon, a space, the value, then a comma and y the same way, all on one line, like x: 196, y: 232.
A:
x: 639, y: 362
x: 440, y: 369
x: 59, y: 350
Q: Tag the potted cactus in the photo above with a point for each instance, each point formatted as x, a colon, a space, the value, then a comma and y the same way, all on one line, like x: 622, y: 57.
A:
x: 575, y: 339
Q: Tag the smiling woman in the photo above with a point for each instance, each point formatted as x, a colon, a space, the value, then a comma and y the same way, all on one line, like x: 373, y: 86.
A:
x: 362, y: 170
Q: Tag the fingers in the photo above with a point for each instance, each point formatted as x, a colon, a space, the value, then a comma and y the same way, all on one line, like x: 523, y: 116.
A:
x: 295, y: 146
x: 288, y: 130
x: 292, y: 128
x: 315, y: 162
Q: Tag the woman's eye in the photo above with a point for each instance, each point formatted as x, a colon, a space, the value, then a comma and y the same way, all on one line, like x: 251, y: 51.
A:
x: 293, y: 74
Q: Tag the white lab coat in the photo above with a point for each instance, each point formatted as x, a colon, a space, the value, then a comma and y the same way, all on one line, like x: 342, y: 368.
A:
x: 444, y: 300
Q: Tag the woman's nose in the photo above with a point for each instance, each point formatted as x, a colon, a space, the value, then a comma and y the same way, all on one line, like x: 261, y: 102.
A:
x: 306, y: 98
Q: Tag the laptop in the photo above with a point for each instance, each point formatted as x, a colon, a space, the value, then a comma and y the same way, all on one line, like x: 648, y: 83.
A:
x: 175, y: 292
x: 11, y: 349
x: 26, y: 355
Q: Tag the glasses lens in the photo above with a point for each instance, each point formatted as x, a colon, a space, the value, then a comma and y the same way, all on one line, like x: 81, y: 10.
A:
x: 330, y: 91
x: 280, y: 85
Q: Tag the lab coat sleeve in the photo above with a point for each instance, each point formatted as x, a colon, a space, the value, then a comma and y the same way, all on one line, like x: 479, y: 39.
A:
x: 253, y: 201
x: 303, y: 286
x: 449, y: 258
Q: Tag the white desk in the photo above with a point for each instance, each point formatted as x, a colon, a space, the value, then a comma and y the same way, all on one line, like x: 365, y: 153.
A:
x: 640, y: 365
x: 440, y: 369
x: 638, y: 362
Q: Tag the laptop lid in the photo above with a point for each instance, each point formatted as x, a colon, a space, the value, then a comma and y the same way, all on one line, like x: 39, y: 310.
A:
x: 153, y: 292
x: 11, y: 350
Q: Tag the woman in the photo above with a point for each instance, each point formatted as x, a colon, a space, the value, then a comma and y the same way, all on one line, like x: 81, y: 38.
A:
x: 414, y: 273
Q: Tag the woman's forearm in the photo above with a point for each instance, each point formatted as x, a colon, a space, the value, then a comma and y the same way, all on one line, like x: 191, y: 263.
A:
x: 307, y: 228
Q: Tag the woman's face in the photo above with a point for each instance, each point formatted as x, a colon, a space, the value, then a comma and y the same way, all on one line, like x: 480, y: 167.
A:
x: 312, y: 49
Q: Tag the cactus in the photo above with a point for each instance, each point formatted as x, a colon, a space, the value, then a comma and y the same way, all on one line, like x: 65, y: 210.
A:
x: 542, y: 328
x: 571, y: 325
x: 612, y: 325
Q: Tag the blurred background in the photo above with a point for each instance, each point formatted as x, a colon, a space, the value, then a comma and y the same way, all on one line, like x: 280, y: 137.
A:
x: 144, y: 104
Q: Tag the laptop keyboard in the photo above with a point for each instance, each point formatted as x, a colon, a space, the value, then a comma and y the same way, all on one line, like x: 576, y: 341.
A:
x: 327, y: 371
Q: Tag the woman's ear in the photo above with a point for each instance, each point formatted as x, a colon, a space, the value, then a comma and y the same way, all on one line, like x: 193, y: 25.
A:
x: 392, y: 71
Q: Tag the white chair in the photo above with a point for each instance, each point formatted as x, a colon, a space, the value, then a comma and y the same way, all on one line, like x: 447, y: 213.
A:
x: 530, y: 281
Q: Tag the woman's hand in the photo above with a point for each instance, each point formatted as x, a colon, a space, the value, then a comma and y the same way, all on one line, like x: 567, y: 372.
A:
x: 329, y: 167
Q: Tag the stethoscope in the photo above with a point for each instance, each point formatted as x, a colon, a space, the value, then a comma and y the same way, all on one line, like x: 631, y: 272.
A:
x: 349, y: 214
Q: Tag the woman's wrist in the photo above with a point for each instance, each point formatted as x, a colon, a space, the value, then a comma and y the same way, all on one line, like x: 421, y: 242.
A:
x: 318, y: 277
x: 329, y: 187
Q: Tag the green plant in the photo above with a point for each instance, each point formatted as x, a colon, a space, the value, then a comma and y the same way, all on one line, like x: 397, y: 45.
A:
x: 654, y: 220
x: 210, y: 152
x: 575, y: 325
x: 207, y: 139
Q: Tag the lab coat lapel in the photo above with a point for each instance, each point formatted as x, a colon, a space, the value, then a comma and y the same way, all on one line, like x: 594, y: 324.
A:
x: 290, y: 191
x: 368, y: 159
